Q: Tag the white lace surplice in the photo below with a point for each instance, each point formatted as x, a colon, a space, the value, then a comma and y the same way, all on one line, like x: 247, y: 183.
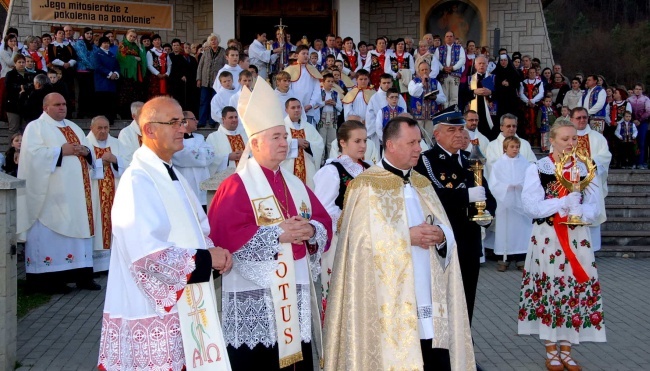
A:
x: 248, y: 314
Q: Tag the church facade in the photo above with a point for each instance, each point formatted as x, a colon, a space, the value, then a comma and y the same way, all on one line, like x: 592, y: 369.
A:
x: 517, y: 25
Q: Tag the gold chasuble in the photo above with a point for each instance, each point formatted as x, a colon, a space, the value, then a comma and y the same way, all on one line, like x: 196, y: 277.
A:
x: 583, y: 143
x: 71, y: 137
x: 106, y: 196
x: 371, y: 322
x: 299, y: 167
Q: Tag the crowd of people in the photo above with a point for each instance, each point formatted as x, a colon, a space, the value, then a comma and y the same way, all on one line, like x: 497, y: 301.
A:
x: 351, y: 171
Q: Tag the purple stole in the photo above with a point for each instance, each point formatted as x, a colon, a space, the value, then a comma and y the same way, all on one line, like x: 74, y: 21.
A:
x: 388, y: 113
x: 455, y: 56
x: 424, y: 109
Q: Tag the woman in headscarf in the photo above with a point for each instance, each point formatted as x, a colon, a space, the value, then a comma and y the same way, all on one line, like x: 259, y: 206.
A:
x: 86, y: 49
x: 506, y: 85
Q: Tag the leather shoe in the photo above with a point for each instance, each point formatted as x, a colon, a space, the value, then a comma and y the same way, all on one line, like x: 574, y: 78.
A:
x: 89, y: 285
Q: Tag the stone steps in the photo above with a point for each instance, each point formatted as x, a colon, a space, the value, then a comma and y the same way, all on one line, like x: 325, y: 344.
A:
x: 626, y: 223
x: 627, y: 211
x: 624, y: 251
x: 624, y: 175
x: 617, y: 186
x: 625, y: 238
x: 622, y: 198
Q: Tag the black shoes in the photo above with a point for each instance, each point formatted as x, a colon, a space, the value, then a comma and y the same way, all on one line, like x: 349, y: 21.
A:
x: 89, y: 285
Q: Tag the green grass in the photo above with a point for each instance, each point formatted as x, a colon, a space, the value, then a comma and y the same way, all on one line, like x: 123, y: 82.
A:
x: 27, y: 302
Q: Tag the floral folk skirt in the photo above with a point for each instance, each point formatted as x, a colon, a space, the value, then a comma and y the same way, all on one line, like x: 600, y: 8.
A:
x: 551, y: 302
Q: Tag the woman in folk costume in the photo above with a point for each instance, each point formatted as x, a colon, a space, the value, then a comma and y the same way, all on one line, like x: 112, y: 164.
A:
x: 133, y: 68
x: 376, y: 62
x: 402, y: 67
x: 514, y: 227
x: 470, y: 54
x: 560, y: 297
x: 160, y: 66
x: 350, y: 58
x: 331, y: 183
x: 614, y: 114
x: 531, y: 92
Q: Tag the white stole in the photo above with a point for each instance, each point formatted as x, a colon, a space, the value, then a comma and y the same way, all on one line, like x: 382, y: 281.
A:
x: 473, y: 105
x: 203, y: 342
x: 283, y: 283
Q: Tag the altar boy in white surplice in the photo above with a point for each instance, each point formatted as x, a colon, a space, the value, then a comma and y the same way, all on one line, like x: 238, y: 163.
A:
x: 160, y: 287
x: 306, y: 139
x: 514, y: 227
x: 108, y: 169
x: 228, y: 142
x: 195, y: 157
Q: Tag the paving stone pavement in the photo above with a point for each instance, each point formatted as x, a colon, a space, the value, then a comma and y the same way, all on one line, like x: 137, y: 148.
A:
x: 64, y: 334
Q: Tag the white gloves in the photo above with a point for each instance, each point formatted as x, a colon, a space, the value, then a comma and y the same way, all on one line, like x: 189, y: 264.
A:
x: 476, y: 194
x: 572, y: 203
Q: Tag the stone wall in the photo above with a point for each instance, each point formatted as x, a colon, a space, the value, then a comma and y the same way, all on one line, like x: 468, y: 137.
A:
x: 392, y: 18
x: 8, y: 270
x: 523, y: 28
x: 192, y: 20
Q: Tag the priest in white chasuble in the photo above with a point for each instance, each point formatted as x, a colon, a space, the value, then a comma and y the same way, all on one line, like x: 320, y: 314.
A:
x: 305, y: 139
x: 160, y: 311
x: 277, y: 230
x: 55, y: 208
x: 131, y: 137
x: 109, y: 167
x: 396, y: 297
x: 193, y: 160
x: 228, y: 142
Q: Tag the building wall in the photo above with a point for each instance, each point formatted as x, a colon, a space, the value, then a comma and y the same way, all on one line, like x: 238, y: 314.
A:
x: 391, y: 18
x: 192, y: 20
x: 523, y: 28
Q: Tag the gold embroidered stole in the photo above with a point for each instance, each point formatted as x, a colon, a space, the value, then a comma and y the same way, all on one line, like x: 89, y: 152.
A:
x: 71, y: 137
x: 106, y: 196
x: 236, y: 144
x: 299, y: 167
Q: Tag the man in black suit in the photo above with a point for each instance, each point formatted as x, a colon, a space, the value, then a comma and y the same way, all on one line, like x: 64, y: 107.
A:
x: 447, y: 166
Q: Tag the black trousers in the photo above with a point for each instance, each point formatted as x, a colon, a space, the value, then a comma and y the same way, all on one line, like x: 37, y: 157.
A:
x: 44, y: 282
x: 435, y: 359
x: 469, y: 269
x: 267, y: 359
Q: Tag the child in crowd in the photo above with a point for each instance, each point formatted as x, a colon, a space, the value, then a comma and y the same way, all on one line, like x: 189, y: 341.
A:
x: 390, y: 109
x: 232, y: 66
x: 222, y: 98
x: 514, y: 227
x: 545, y: 119
x: 626, y: 132
x: 338, y: 82
x: 10, y: 159
x: 245, y: 79
x: 313, y: 60
x: 329, y: 62
x: 331, y: 107
x: 565, y: 112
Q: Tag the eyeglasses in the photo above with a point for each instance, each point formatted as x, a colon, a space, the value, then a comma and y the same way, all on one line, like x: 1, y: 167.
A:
x: 175, y: 123
x: 472, y: 120
x: 191, y: 119
x: 580, y: 117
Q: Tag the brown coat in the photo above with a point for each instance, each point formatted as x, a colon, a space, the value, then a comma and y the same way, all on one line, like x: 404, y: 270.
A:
x: 211, y: 62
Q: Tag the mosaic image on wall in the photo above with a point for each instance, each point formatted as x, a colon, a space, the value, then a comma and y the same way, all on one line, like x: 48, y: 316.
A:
x: 458, y: 16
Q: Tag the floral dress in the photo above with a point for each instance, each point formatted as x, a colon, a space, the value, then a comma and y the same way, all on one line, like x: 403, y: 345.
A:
x: 553, y: 302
